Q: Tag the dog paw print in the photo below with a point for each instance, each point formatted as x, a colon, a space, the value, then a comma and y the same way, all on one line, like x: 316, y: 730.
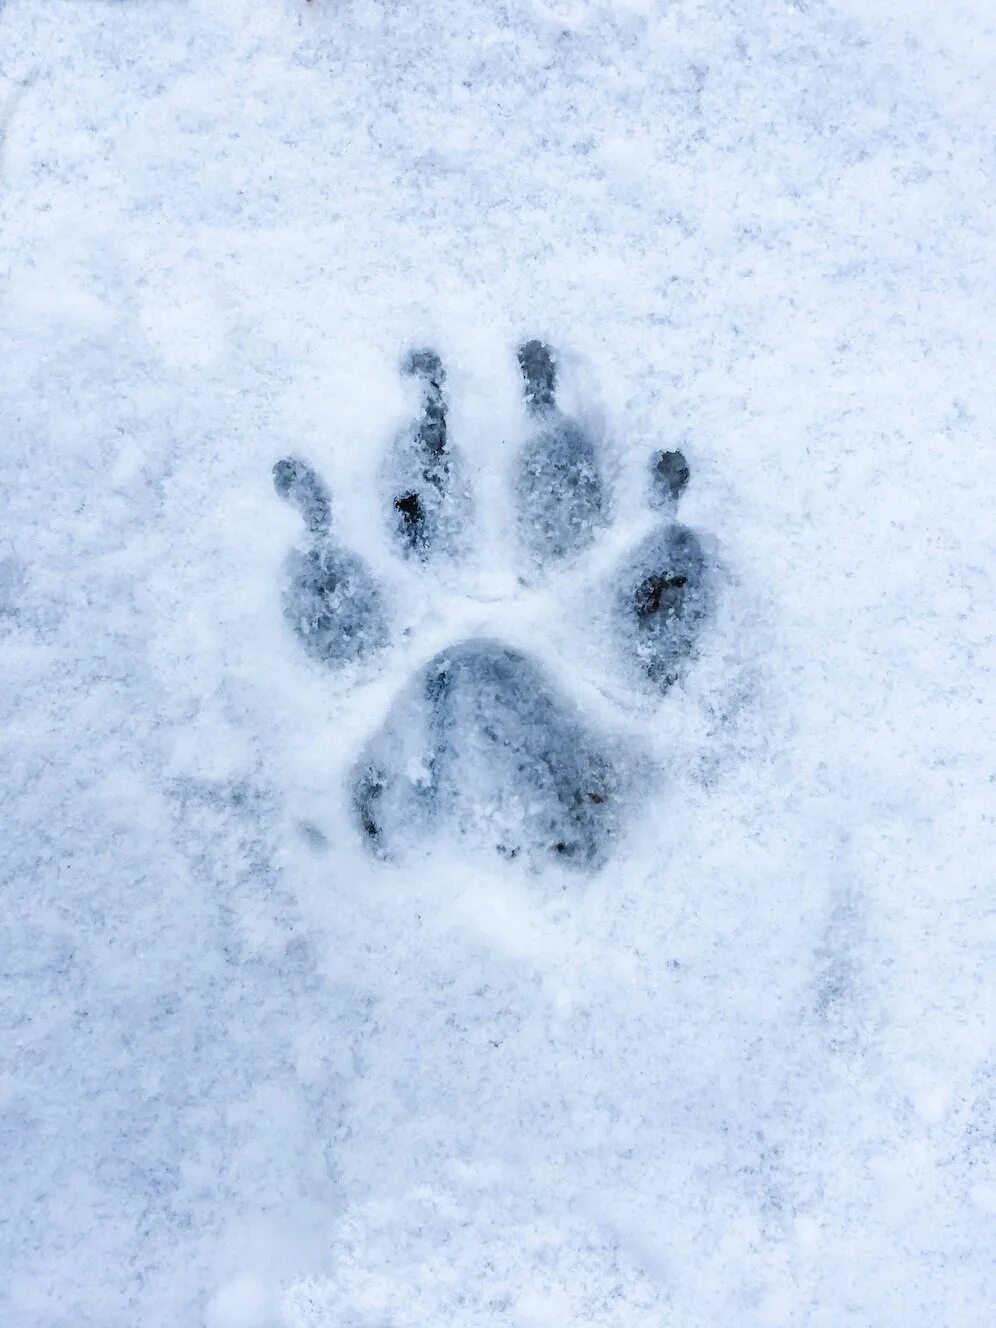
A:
x: 480, y: 739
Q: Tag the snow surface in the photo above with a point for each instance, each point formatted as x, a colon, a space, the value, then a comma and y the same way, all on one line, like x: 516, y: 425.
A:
x: 744, y: 1074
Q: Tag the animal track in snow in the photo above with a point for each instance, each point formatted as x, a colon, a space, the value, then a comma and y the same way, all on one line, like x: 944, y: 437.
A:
x: 481, y: 738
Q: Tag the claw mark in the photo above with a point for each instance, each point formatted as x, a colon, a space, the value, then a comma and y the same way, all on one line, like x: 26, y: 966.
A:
x: 300, y: 486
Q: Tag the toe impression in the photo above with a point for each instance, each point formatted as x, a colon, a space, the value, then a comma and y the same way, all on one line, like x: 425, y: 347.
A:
x: 330, y: 599
x: 665, y: 598
x: 427, y: 499
x: 559, y: 489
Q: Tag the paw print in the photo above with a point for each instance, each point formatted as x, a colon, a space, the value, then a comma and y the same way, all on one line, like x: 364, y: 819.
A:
x: 480, y: 739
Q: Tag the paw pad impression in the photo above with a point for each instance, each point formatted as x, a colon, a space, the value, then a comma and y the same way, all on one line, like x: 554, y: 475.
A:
x: 480, y: 739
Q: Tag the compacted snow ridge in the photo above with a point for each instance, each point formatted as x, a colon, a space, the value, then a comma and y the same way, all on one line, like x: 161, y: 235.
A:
x: 497, y: 633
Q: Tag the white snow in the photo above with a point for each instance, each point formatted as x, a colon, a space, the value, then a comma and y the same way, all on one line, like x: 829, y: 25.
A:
x: 745, y: 1074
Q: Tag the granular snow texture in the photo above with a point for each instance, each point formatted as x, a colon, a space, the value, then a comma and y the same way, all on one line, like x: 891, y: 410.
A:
x: 739, y: 1069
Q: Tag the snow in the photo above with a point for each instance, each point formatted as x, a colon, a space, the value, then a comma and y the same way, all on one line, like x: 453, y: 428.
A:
x: 743, y: 1074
